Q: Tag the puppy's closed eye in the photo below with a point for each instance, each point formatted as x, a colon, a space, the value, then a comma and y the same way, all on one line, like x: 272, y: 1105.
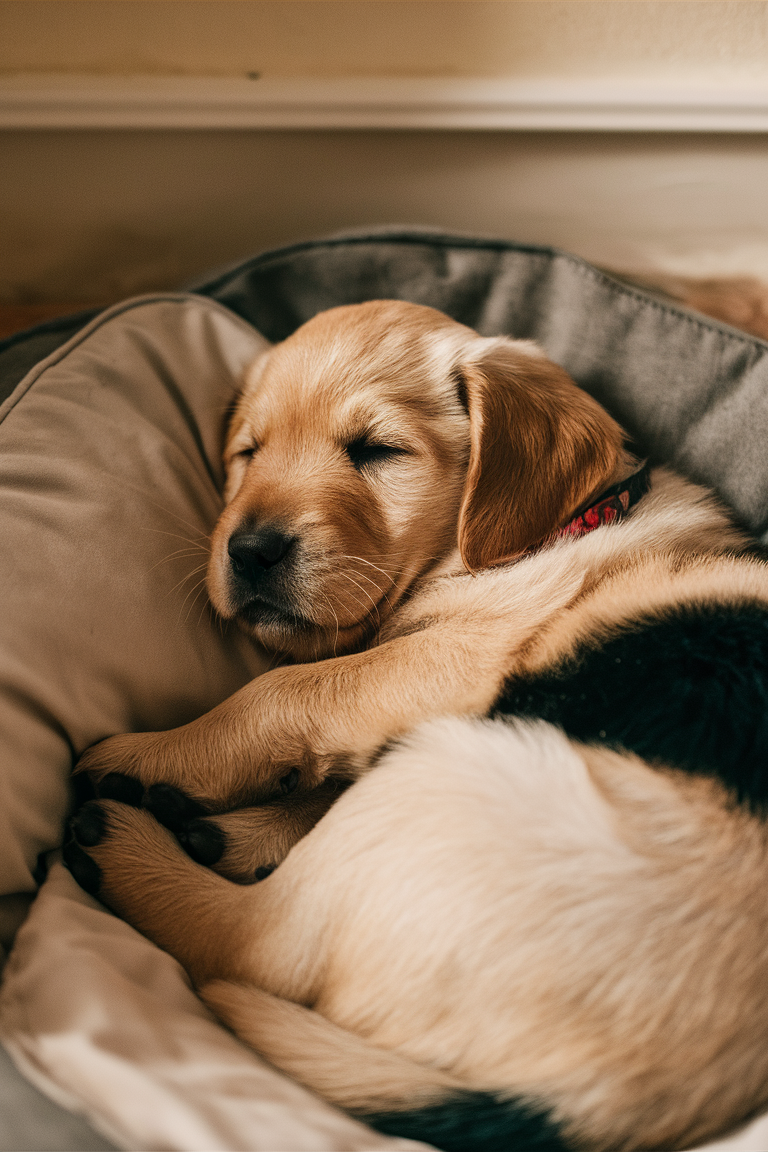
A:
x: 364, y: 453
x: 247, y: 453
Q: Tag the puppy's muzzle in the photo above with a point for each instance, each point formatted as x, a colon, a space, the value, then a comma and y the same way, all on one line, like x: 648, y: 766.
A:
x: 254, y: 555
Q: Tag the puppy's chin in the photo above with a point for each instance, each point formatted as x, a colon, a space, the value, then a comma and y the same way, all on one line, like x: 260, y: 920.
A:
x: 305, y: 643
x: 277, y: 623
x: 297, y: 638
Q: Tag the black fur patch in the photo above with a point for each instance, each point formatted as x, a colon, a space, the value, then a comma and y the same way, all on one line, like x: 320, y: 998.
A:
x: 475, y: 1122
x: 689, y: 691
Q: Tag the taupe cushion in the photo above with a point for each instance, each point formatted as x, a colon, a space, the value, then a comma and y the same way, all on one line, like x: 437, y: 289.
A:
x: 110, y: 478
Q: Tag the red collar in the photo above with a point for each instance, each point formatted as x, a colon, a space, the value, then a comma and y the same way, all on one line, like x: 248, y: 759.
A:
x: 613, y: 504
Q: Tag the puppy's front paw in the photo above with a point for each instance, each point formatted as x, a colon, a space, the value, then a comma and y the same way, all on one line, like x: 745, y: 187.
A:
x: 130, y: 755
x: 122, y: 856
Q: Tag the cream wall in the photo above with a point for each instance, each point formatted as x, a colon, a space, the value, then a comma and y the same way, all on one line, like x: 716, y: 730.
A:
x: 523, y: 38
x: 100, y: 214
x: 91, y: 215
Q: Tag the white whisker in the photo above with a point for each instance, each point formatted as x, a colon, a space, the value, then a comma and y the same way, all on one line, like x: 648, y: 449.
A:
x: 189, y: 576
x: 196, y: 588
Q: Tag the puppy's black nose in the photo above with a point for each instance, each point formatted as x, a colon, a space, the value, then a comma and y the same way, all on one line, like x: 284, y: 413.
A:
x: 251, y: 554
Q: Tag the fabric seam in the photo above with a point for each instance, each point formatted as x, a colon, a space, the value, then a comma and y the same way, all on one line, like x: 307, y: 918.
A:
x: 445, y: 240
x: 60, y: 353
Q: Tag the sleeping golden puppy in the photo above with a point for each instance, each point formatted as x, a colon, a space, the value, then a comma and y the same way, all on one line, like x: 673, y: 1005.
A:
x: 512, y: 767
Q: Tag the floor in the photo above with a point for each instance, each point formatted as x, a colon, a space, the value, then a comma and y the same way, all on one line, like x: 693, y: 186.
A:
x: 17, y: 317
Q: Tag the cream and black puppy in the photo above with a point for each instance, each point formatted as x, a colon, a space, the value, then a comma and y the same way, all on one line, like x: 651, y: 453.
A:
x: 512, y: 768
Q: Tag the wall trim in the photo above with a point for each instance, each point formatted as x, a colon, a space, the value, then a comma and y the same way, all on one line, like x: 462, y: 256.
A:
x: 53, y: 101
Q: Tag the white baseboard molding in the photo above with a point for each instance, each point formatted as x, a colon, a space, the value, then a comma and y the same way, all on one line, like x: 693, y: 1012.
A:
x: 54, y: 101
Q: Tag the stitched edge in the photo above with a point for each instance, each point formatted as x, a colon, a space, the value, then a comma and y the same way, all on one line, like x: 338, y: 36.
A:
x: 435, y: 239
x: 678, y: 311
x: 54, y: 325
x: 105, y: 317
x: 447, y: 240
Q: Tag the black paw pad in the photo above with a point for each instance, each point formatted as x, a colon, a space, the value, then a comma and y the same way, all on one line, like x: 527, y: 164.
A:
x: 172, y: 808
x: 85, y: 871
x: 262, y: 873
x: 83, y: 789
x: 290, y: 782
x: 89, y: 825
x: 116, y: 786
x: 204, y: 842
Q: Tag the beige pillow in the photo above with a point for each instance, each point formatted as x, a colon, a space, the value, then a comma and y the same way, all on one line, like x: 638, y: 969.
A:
x: 110, y: 480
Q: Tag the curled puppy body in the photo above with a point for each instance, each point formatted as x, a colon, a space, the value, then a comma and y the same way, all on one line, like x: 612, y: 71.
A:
x: 498, y: 936
x: 497, y: 932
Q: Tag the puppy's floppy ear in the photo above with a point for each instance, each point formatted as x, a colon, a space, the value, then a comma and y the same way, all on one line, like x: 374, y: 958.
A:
x: 539, y: 448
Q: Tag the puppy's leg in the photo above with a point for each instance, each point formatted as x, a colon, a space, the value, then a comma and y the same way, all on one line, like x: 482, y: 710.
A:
x: 329, y: 719
x: 125, y: 858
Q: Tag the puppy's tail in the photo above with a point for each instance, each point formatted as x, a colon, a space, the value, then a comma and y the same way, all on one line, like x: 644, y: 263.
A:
x: 389, y: 1091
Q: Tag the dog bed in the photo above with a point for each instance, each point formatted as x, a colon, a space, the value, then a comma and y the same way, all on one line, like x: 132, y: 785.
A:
x: 110, y: 436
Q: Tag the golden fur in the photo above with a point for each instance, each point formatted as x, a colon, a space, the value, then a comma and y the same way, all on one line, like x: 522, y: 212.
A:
x: 493, y: 906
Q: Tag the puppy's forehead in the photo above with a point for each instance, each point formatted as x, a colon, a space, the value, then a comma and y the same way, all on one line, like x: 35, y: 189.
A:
x: 374, y: 320
x: 378, y: 350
